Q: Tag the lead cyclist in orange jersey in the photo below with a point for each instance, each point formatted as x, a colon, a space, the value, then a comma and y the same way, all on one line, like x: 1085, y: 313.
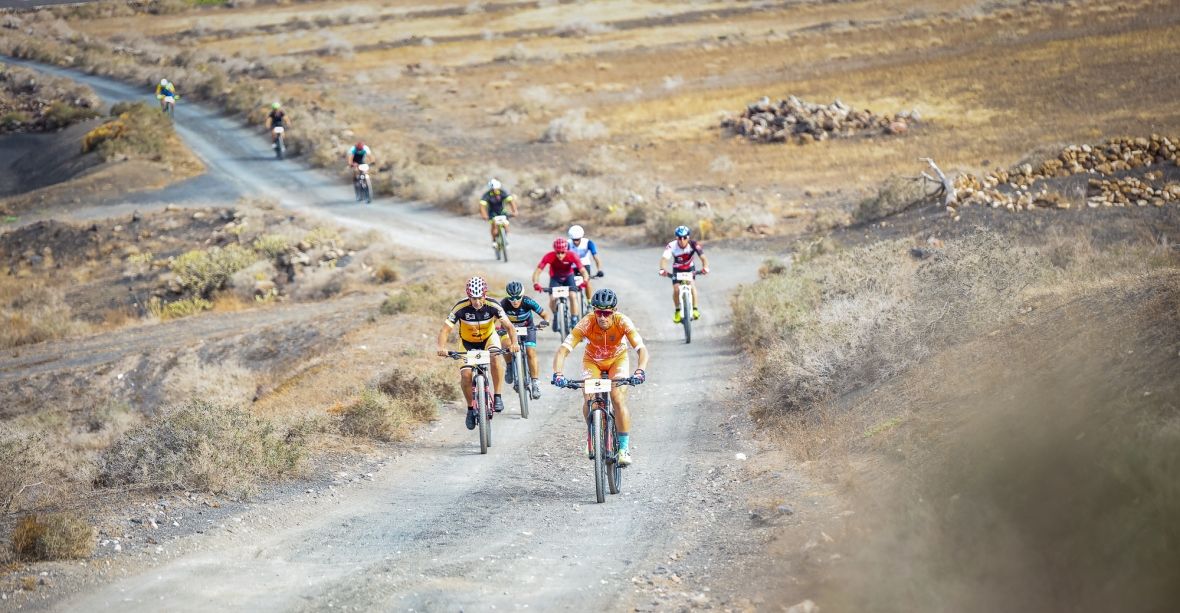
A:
x: 607, y: 333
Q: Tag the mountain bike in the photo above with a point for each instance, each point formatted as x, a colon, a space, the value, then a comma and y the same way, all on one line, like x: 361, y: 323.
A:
x: 684, y: 282
x: 480, y: 361
x: 522, y: 376
x: 168, y: 105
x: 279, y: 145
x: 501, y: 223
x: 361, y: 185
x: 604, y: 437
x: 563, y: 320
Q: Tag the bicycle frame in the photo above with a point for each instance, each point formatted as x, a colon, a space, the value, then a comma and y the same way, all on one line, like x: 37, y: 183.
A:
x: 684, y: 281
x: 604, y: 436
x: 479, y: 361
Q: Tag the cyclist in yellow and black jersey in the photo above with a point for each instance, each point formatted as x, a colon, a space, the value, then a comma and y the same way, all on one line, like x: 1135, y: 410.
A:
x: 476, y: 317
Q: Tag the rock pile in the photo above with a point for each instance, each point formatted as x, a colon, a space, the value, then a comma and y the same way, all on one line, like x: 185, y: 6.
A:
x: 793, y: 120
x: 1012, y: 189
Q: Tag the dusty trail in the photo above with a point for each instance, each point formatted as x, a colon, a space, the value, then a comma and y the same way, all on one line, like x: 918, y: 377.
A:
x: 444, y: 528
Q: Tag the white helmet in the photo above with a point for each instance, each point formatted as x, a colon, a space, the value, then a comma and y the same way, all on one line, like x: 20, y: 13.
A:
x: 163, y: 81
x: 493, y: 184
x: 576, y: 232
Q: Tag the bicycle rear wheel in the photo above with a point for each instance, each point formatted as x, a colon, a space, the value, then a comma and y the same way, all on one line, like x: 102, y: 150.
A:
x: 522, y: 381
x: 614, y: 470
x: 598, y: 435
x: 502, y: 244
x: 481, y: 407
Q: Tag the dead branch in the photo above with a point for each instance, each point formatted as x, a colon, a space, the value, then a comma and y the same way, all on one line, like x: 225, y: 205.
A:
x: 948, y: 187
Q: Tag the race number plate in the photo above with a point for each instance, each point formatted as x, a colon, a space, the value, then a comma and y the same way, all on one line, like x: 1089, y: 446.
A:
x: 362, y: 167
x: 501, y: 220
x: 478, y: 357
x: 684, y: 276
x: 522, y: 330
x: 561, y: 292
x: 578, y: 279
x: 169, y: 99
x: 278, y: 129
x: 596, y: 386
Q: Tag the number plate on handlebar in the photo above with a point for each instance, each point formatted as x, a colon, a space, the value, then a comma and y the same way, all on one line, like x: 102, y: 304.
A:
x: 684, y: 276
x: 522, y: 330
x: 596, y: 386
x: 362, y: 167
x: 478, y: 357
x: 278, y: 129
x: 501, y: 220
x: 561, y: 292
x: 578, y: 279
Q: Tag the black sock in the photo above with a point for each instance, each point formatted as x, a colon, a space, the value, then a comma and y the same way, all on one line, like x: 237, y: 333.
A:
x: 497, y: 395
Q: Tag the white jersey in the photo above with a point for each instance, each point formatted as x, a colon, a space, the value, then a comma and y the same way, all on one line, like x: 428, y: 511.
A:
x: 681, y: 257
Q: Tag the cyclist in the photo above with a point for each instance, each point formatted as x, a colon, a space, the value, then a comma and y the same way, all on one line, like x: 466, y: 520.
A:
x: 492, y: 204
x: 277, y: 119
x: 679, y: 253
x: 358, y: 154
x: 562, y: 264
x: 165, y: 89
x: 476, y: 317
x: 521, y: 310
x: 607, y: 333
x: 587, y: 251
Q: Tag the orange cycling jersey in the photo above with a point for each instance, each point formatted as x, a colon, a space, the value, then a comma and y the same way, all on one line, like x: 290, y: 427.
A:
x: 604, y: 343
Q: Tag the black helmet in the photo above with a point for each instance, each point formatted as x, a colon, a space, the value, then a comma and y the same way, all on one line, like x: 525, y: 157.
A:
x: 604, y: 299
x: 514, y: 289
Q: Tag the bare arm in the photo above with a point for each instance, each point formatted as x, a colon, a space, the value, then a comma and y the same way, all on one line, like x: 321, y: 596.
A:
x: 704, y: 263
x: 642, y: 358
x: 511, y: 336
x: 442, y: 339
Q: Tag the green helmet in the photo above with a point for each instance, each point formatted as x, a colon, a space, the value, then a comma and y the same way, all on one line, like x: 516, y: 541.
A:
x: 275, y: 105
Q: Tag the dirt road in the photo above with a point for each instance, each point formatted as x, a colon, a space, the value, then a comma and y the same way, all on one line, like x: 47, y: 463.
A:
x: 444, y: 528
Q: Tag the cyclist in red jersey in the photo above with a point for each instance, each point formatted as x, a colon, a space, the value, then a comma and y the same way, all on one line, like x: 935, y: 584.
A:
x: 563, y: 265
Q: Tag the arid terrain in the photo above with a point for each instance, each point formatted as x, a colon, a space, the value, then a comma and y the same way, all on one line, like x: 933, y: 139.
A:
x: 937, y: 368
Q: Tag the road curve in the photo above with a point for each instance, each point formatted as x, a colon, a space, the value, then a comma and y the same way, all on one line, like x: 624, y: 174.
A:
x: 444, y: 528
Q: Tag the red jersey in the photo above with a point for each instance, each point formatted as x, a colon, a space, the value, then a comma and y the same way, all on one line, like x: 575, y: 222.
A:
x: 567, y: 265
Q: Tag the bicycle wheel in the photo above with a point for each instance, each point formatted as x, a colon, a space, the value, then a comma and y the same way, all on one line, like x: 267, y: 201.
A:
x: 279, y: 147
x: 598, y: 435
x: 481, y: 407
x: 522, y: 382
x: 368, y: 191
x: 686, y: 314
x: 356, y: 190
x: 563, y: 320
x: 502, y: 244
x: 614, y: 470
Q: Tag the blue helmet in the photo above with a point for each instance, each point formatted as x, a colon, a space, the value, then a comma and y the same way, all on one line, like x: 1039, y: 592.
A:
x: 682, y: 231
x: 515, y: 290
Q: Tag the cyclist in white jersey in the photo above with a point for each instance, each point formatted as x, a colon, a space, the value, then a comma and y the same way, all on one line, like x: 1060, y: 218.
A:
x: 587, y: 252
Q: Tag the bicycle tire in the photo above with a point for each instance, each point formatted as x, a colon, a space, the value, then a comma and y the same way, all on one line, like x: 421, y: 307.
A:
x: 481, y: 407
x: 501, y: 244
x: 562, y: 318
x: 279, y: 147
x: 686, y: 314
x: 522, y: 382
x: 597, y: 417
x: 368, y: 192
x: 614, y: 470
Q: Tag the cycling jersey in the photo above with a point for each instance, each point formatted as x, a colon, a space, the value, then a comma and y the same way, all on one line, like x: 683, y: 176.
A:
x: 561, y: 268
x: 495, y: 201
x: 586, y: 250
x: 358, y: 156
x: 682, y: 256
x: 277, y: 117
x: 475, y: 325
x: 162, y: 91
x: 604, y: 345
x: 522, y: 314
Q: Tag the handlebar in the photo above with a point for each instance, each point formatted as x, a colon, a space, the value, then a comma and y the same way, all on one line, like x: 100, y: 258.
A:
x: 459, y: 355
x: 576, y: 384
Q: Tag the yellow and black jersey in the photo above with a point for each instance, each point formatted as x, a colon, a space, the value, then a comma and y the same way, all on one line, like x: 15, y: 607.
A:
x: 475, y: 325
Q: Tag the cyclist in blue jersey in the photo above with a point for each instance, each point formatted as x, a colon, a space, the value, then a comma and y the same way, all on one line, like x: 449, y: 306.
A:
x: 358, y: 154
x: 523, y: 310
x: 587, y: 252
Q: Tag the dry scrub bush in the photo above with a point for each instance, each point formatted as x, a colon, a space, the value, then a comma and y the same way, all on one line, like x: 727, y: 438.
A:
x: 137, y: 130
x: 201, y: 446
x: 177, y: 309
x: 55, y: 536
x: 398, y: 402
x: 204, y: 272
x: 34, y: 313
x: 573, y: 126
x: 22, y: 467
x: 422, y: 298
x: 896, y: 194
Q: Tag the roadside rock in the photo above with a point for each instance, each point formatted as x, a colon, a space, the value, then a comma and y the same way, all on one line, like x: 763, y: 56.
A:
x: 792, y: 120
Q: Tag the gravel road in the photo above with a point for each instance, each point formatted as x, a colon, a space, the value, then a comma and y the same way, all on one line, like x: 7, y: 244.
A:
x: 444, y: 528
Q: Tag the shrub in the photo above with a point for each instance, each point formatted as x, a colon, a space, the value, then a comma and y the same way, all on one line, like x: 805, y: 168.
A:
x: 56, y: 536
x: 204, y: 272
x: 895, y: 195
x: 21, y: 466
x: 136, y: 130
x: 201, y: 446
x: 573, y: 126
x: 37, y: 314
x: 437, y: 382
x: 61, y: 114
x: 178, y: 308
x: 272, y: 245
x: 416, y: 298
x: 660, y: 225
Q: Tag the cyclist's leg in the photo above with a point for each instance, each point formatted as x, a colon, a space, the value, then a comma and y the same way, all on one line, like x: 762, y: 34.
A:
x: 675, y: 292
x: 590, y: 370
x: 620, y: 368
x: 530, y: 343
x: 497, y: 363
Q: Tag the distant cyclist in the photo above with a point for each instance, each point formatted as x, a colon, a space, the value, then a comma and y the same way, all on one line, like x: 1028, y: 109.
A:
x: 524, y: 311
x: 358, y: 154
x: 476, y: 317
x: 680, y: 253
x: 607, y: 333
x: 277, y: 119
x: 563, y: 264
x: 165, y: 89
x: 587, y: 251
x: 492, y: 204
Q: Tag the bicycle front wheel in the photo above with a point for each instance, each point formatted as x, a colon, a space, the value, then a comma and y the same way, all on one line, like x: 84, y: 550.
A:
x: 522, y: 382
x: 614, y: 470
x: 598, y: 435
x: 502, y: 244
x: 686, y: 314
x: 481, y: 407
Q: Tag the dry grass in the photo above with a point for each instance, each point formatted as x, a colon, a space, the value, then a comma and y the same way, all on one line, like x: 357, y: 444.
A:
x: 32, y: 312
x: 55, y: 536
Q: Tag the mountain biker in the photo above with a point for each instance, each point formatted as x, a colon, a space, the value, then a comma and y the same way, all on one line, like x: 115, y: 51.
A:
x: 521, y: 310
x: 277, y: 119
x: 679, y: 253
x: 607, y: 333
x: 587, y: 251
x: 165, y: 89
x: 562, y: 264
x: 358, y: 154
x: 477, y: 317
x: 492, y: 202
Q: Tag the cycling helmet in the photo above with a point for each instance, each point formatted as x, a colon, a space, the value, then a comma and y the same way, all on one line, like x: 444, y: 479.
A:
x: 604, y: 299
x: 275, y: 105
x: 360, y: 144
x: 476, y: 287
x: 682, y: 231
x: 493, y: 185
x: 560, y: 244
x: 164, y: 82
x: 576, y: 232
x: 515, y: 290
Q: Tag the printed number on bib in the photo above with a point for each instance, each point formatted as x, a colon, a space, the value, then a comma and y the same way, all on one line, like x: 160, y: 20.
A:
x: 561, y: 292
x: 500, y: 220
x: 522, y: 330
x: 362, y: 167
x: 684, y: 276
x: 278, y: 129
x: 596, y: 386
x: 169, y: 99
x: 478, y: 357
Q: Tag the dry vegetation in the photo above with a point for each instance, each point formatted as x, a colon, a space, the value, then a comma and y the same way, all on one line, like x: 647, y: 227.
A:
x: 31, y: 102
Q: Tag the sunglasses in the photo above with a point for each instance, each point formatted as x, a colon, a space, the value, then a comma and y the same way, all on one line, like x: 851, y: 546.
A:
x: 516, y: 298
x: 604, y: 312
